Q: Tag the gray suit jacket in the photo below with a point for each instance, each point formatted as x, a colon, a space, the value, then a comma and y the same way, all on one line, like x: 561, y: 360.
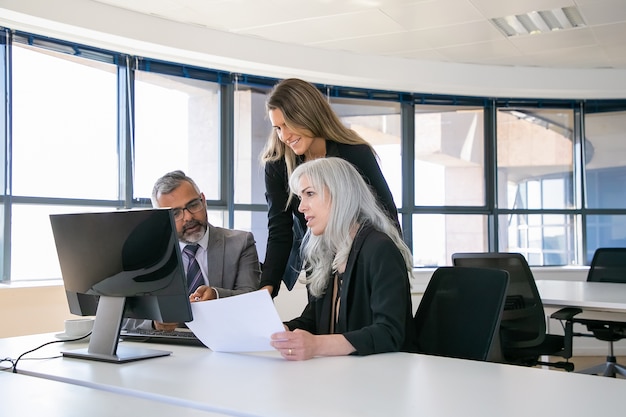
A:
x: 233, y: 261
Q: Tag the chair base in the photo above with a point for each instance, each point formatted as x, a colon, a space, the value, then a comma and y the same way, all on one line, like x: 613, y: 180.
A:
x: 566, y: 366
x: 611, y: 368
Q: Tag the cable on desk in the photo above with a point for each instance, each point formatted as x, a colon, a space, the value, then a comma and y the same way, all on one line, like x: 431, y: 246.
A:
x: 8, y: 367
x: 39, y: 347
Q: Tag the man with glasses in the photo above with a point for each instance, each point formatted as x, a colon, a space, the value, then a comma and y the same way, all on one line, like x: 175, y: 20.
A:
x: 219, y: 262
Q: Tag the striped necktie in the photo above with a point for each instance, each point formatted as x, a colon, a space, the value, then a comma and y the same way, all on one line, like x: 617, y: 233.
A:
x: 194, y: 274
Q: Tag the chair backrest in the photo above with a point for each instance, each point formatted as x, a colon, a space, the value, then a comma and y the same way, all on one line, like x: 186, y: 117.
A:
x: 459, y: 314
x: 523, y: 320
x: 608, y: 265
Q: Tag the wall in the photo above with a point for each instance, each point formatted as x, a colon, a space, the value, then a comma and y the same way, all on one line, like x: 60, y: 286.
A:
x: 32, y: 309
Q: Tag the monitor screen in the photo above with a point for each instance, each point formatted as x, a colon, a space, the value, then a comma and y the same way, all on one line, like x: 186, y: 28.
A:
x: 121, y: 264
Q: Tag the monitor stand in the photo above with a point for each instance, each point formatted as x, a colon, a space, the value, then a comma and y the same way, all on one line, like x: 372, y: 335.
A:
x: 103, y: 343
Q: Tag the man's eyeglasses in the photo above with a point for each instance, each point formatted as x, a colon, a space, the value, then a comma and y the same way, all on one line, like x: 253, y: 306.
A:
x: 194, y: 206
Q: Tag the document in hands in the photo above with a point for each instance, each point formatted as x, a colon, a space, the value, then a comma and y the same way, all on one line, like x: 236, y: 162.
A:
x: 241, y: 323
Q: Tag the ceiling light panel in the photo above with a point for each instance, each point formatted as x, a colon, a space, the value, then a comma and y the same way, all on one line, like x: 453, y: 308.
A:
x: 536, y: 22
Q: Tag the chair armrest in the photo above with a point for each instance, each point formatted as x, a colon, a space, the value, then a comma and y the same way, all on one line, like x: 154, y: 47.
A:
x: 566, y: 313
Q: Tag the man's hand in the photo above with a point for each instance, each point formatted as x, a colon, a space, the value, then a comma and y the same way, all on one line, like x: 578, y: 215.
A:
x: 166, y: 327
x: 203, y: 293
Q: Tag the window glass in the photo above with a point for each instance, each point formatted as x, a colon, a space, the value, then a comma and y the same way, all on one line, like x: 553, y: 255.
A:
x: 605, y: 165
x: 177, y: 126
x: 449, y: 156
x: 437, y: 236
x: 535, y: 158
x: 31, y: 223
x: 378, y: 122
x: 64, y: 126
x: 255, y: 222
x: 607, y: 231
x: 544, y: 239
x: 217, y: 217
x: 252, y: 128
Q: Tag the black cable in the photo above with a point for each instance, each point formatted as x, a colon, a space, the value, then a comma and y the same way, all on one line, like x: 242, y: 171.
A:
x: 8, y: 367
x: 39, y: 347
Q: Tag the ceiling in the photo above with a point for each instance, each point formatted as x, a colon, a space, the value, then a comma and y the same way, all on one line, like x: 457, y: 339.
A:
x: 458, y: 31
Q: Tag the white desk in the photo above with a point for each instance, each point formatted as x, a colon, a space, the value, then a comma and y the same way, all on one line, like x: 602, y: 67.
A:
x: 28, y: 396
x: 604, y: 296
x: 603, y: 301
x: 396, y: 384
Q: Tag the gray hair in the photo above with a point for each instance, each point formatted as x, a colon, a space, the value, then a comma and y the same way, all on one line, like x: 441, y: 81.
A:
x: 168, y: 183
x: 353, y: 204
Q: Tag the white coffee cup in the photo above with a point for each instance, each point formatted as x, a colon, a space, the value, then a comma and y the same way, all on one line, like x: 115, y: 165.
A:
x: 78, y: 327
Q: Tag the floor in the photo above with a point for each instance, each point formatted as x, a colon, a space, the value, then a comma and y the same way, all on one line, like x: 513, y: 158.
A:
x: 584, y: 362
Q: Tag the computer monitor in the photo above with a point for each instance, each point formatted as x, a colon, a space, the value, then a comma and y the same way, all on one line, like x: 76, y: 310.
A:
x: 121, y: 264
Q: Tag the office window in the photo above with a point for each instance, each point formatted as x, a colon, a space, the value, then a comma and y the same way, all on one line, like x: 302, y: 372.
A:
x: 544, y: 239
x: 31, y: 224
x: 65, y: 156
x: 64, y: 126
x: 177, y: 126
x: 251, y: 130
x: 378, y: 122
x: 605, y: 231
x: 535, y: 171
x: 437, y: 236
x: 64, y: 131
x: 535, y: 158
x: 449, y: 156
x: 255, y: 222
x: 605, y: 154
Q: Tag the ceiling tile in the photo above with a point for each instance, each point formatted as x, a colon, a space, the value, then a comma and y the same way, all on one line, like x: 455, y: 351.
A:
x: 480, y: 31
x: 602, y: 12
x: 431, y: 14
x: 328, y: 28
x: 554, y: 40
x: 381, y: 44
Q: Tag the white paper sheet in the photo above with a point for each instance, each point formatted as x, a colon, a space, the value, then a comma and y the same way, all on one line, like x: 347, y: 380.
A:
x: 241, y: 323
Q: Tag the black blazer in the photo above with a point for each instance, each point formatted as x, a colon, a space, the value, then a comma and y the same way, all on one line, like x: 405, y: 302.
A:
x: 375, y: 312
x: 285, y: 234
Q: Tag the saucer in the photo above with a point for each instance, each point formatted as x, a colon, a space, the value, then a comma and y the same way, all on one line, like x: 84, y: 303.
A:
x: 65, y: 337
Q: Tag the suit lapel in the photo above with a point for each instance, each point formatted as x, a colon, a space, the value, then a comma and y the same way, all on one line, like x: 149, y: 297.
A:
x: 215, y: 257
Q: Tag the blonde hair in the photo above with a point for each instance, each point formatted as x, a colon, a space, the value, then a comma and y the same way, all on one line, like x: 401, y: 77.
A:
x: 353, y: 205
x: 306, y: 111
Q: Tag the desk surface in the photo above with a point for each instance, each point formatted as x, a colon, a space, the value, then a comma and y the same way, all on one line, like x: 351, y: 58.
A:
x: 396, y: 384
x: 605, y: 296
x: 27, y: 396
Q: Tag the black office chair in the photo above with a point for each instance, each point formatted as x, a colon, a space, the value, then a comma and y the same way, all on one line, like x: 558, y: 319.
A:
x: 523, y: 327
x: 459, y: 314
x: 607, y: 265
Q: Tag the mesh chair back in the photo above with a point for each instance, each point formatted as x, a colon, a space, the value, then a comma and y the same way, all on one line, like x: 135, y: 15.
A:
x: 459, y: 314
x: 608, y: 265
x: 523, y: 320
